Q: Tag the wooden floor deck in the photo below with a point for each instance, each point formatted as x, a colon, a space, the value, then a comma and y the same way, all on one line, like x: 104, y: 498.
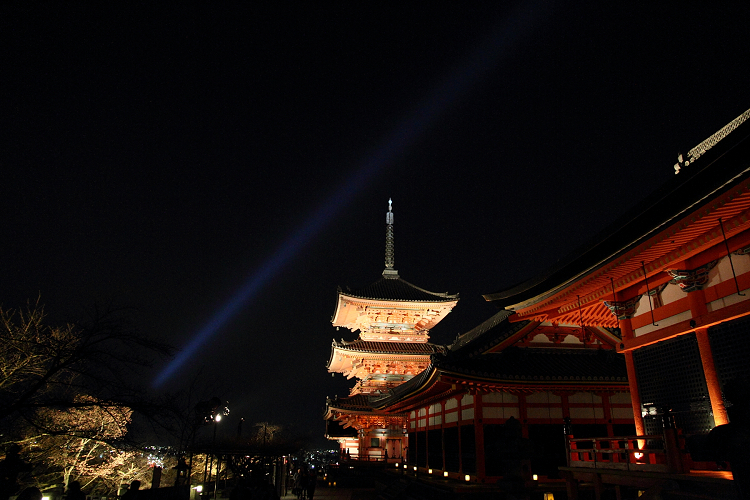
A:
x: 705, y: 485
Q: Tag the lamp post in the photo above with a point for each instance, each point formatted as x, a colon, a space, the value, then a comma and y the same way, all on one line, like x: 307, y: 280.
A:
x: 211, y: 412
x: 216, y: 419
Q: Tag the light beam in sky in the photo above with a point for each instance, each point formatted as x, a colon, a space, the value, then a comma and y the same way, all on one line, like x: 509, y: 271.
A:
x: 499, y: 45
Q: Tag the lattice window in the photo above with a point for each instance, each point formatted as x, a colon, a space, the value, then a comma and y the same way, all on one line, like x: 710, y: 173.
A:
x: 670, y: 376
x: 730, y: 349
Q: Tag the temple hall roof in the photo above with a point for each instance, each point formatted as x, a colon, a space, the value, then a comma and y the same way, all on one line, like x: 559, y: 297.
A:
x: 712, y: 167
x: 543, y: 364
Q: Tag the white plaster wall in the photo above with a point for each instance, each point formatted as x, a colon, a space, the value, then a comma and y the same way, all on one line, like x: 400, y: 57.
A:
x: 729, y: 300
x: 622, y: 412
x: 683, y: 316
x: 509, y: 398
x: 467, y: 399
x: 451, y: 417
x: 620, y: 398
x: 586, y: 412
x: 500, y: 412
x: 499, y: 397
x: 549, y: 412
x: 543, y: 397
x: 585, y: 397
x: 492, y: 412
x: 541, y: 338
x: 643, y: 306
x: 492, y: 397
x: 723, y: 270
x: 671, y: 293
x: 451, y: 403
x: 467, y: 414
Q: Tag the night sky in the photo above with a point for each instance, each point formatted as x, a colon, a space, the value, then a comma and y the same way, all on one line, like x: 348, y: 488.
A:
x: 177, y: 160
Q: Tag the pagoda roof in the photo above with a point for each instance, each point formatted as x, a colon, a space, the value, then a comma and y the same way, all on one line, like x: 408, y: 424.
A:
x: 369, y: 346
x: 358, y: 402
x: 717, y: 165
x: 397, y: 289
x: 335, y: 429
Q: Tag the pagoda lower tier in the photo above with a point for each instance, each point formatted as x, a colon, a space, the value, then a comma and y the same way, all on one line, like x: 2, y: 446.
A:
x: 380, y: 366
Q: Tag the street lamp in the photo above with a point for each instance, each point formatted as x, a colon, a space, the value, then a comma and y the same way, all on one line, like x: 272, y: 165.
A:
x: 211, y: 412
x: 216, y: 416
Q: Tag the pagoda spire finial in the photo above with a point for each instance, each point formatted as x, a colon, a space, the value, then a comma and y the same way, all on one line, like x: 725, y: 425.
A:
x: 389, y: 272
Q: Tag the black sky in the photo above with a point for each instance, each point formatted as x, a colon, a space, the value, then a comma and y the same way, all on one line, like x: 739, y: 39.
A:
x: 160, y: 156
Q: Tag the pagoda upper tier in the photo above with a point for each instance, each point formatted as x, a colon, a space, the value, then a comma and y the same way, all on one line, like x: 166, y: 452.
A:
x: 392, y: 310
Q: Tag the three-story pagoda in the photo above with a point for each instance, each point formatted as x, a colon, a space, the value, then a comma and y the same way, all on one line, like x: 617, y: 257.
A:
x: 393, y: 318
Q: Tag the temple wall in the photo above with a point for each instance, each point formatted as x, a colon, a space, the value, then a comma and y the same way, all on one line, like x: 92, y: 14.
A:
x: 459, y: 435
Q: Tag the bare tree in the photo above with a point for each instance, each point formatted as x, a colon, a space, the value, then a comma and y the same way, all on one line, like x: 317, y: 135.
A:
x: 68, y: 393
x: 46, y: 366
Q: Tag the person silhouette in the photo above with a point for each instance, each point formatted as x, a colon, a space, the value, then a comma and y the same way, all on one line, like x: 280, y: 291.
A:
x: 10, y: 468
x: 132, y: 493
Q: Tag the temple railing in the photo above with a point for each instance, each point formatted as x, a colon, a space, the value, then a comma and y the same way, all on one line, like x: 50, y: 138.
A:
x: 659, y: 453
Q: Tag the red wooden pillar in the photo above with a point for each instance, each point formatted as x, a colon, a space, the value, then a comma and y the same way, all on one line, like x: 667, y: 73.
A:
x: 524, y: 417
x: 479, y: 435
x: 635, y: 396
x: 565, y: 404
x: 626, y: 328
x: 426, y: 437
x: 607, y: 412
x: 712, y: 378
x: 460, y: 443
x: 697, y: 301
x: 442, y: 433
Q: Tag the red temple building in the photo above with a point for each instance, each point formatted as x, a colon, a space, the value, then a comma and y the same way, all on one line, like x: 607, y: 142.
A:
x: 636, y: 345
x: 446, y: 409
x: 673, y: 276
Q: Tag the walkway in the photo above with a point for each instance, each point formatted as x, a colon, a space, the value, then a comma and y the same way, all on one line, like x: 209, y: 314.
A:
x: 338, y: 494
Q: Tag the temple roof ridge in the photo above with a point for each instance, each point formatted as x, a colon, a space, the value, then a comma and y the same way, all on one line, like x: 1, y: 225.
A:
x: 713, y: 140
x: 480, y: 329
x: 662, y: 207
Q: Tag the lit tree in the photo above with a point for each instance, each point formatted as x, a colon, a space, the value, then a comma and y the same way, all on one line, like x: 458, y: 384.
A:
x: 44, y: 366
x: 66, y: 393
x: 265, y: 433
x: 82, y: 442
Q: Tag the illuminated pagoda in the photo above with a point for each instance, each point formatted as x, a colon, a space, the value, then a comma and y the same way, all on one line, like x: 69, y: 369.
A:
x: 393, y: 318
